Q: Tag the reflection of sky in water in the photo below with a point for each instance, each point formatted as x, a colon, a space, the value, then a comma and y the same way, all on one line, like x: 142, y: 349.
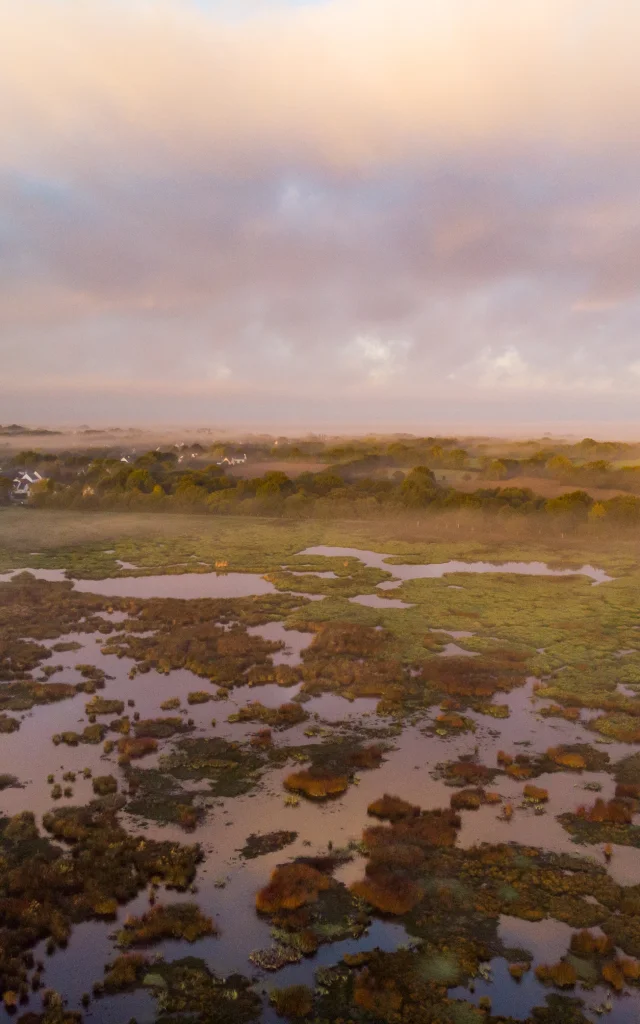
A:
x: 547, y: 941
x: 435, y: 570
x: 406, y: 770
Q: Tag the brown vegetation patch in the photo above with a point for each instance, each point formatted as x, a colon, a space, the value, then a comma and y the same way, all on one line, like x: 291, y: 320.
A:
x: 176, y: 921
x: 392, y: 808
x: 291, y: 886
x: 316, y: 785
x: 132, y: 748
x: 388, y: 892
x: 562, y: 974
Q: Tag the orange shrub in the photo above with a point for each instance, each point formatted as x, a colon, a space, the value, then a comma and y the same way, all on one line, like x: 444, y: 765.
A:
x: 536, y: 794
x: 615, y: 812
x: 388, y: 893
x: 131, y: 748
x: 392, y: 808
x: 585, y: 944
x: 316, y: 786
x: 628, y: 791
x: 378, y: 996
x: 291, y: 886
x: 613, y: 975
x: 367, y: 757
x: 565, y: 759
x: 562, y: 975
x: 467, y: 800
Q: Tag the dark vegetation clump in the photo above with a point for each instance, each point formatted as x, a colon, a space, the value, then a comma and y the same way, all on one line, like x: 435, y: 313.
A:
x: 282, y: 717
x: 45, y: 889
x: 175, y: 921
x: 206, y: 636
x: 156, y: 796
x: 270, y: 842
x: 125, y: 972
x: 104, y: 785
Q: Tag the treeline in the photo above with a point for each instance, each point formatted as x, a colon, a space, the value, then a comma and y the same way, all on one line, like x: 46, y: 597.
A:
x: 156, y: 481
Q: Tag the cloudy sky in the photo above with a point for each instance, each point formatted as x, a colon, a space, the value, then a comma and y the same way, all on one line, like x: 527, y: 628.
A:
x: 417, y: 214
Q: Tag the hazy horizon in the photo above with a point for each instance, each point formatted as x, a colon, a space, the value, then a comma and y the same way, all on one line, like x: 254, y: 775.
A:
x: 337, y: 215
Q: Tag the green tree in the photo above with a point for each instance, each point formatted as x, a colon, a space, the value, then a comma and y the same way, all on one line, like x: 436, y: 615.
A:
x: 418, y: 488
x: 575, y: 504
x: 140, y: 480
x: 274, y: 484
x: 497, y: 470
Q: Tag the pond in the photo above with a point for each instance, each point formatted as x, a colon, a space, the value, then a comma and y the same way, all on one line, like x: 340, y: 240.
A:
x: 436, y: 570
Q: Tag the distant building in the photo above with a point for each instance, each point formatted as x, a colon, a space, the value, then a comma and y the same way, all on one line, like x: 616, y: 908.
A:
x: 23, y: 482
x: 233, y: 461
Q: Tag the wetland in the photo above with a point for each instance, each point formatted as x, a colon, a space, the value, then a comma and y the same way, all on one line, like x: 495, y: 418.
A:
x: 266, y: 773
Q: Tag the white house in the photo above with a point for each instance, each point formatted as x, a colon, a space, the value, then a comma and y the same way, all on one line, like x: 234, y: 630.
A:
x: 233, y: 461
x: 23, y: 482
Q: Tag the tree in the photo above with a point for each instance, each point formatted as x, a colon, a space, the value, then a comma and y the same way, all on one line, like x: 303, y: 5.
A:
x: 496, y: 470
x: 419, y: 487
x: 575, y: 504
x: 560, y: 466
x: 6, y: 486
x: 274, y: 483
x: 140, y: 480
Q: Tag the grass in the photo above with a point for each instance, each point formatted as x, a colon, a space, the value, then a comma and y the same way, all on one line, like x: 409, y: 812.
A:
x: 150, y: 539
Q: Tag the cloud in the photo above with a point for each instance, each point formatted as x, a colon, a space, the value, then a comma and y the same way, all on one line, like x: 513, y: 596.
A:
x: 350, y: 83
x: 357, y: 201
x: 380, y: 358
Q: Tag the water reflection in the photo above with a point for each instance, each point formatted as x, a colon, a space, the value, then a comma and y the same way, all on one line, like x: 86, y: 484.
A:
x: 436, y: 570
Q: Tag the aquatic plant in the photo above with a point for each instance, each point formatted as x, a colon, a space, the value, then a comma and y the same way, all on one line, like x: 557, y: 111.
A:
x: 562, y: 974
x: 282, y: 717
x: 103, y: 785
x: 159, y: 728
x: 134, y: 747
x: 392, y: 808
x: 387, y: 891
x: 198, y: 697
x: 174, y: 921
x: 467, y: 799
x: 566, y: 759
x: 616, y: 812
x: 102, y: 706
x: 291, y: 886
x: 125, y: 972
x: 293, y: 1002
x: 270, y: 842
x: 535, y: 794
x: 316, y: 785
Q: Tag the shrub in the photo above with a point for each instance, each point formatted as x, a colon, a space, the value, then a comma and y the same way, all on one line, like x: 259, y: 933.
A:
x: 536, y: 794
x: 294, y: 1001
x: 388, y: 892
x: 176, y: 921
x: 316, y: 785
x: 132, y: 748
x: 392, y: 808
x: 291, y: 886
x: 562, y: 974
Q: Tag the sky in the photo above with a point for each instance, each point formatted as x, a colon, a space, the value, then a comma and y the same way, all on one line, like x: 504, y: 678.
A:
x: 354, y: 214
